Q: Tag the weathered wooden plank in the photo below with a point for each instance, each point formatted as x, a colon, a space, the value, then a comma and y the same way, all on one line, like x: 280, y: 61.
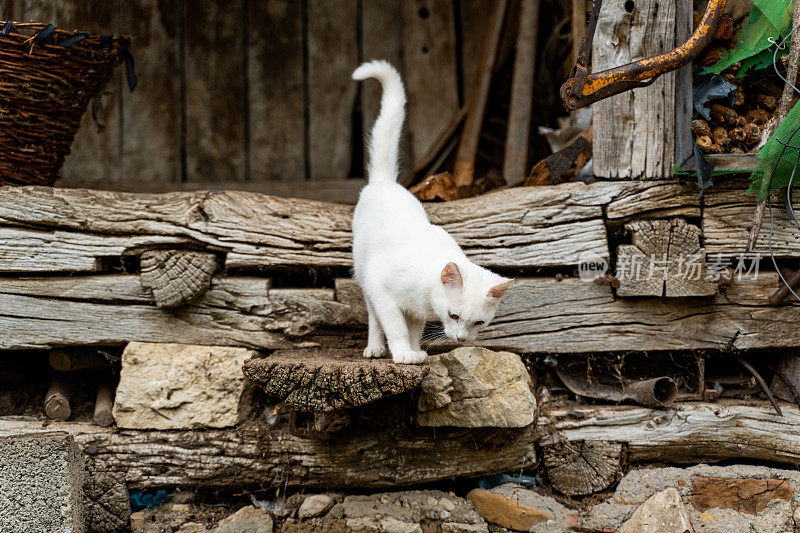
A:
x: 537, y: 315
x: 473, y: 19
x: 634, y: 132
x: 30, y: 250
x: 520, y: 228
x: 381, y: 38
x: 215, y: 95
x: 277, y: 90
x: 727, y: 217
x: 332, y: 56
x: 112, y: 310
x: 339, y: 191
x: 151, y: 137
x: 429, y: 55
x: 44, y: 11
x: 95, y: 152
x: 685, y: 433
x: 655, y: 199
x: 259, y: 456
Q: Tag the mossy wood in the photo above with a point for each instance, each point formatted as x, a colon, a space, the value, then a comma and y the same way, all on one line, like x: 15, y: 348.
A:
x: 324, y: 380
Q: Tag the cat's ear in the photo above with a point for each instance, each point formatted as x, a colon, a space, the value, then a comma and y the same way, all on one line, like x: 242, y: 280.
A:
x: 451, y: 278
x: 499, y: 290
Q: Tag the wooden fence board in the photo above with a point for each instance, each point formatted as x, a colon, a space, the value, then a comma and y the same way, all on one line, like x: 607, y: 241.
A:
x: 429, y: 53
x: 96, y: 150
x: 151, y: 118
x: 332, y: 57
x: 215, y: 96
x: 473, y: 20
x: 381, y: 38
x: 276, y: 95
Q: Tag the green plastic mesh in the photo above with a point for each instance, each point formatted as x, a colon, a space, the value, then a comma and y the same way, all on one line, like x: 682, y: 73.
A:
x: 769, y: 19
x: 776, y: 162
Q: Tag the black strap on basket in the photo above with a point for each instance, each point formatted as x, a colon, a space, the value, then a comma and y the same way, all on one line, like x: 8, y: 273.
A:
x: 69, y: 41
x: 44, y: 36
x: 7, y: 28
x: 130, y: 67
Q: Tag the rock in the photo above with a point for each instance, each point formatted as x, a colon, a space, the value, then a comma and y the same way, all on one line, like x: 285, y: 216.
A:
x: 663, y: 512
x: 315, y: 505
x: 394, y: 511
x: 506, y: 511
x: 246, y: 520
x: 775, y: 518
x: 476, y: 387
x: 545, y: 503
x: 746, y: 495
x: 181, y: 386
x: 41, y: 483
x: 192, y: 527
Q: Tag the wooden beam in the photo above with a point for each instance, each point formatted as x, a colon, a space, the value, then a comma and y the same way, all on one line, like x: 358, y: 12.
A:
x: 537, y: 315
x: 519, y: 228
x: 263, y: 457
x: 686, y: 433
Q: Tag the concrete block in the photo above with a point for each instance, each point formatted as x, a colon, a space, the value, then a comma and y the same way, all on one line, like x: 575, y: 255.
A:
x: 41, y: 483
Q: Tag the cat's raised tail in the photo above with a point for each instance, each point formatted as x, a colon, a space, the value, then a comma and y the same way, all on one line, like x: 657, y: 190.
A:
x: 385, y: 137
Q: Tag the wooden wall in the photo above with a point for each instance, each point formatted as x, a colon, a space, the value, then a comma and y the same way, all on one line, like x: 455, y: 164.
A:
x: 257, y: 94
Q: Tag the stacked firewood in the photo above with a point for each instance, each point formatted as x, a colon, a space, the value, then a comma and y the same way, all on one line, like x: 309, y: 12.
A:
x: 736, y: 128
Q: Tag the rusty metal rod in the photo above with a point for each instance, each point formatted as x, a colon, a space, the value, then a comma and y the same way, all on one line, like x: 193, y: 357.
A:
x: 638, y: 73
x: 761, y: 383
x: 793, y: 281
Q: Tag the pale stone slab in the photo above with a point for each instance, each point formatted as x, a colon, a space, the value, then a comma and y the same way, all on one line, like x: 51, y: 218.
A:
x: 476, y: 387
x: 181, y: 386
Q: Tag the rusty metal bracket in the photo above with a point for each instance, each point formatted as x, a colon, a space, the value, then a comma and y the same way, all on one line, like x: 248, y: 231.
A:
x: 584, y: 88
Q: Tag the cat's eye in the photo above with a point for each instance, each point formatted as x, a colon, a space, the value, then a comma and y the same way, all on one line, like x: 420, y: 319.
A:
x: 454, y: 316
x: 479, y: 322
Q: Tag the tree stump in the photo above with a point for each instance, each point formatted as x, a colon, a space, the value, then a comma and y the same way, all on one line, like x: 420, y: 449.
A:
x: 324, y: 380
x: 580, y: 468
x: 177, y: 277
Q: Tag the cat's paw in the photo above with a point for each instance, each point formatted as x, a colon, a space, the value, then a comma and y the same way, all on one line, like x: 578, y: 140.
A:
x: 410, y: 357
x: 374, y: 352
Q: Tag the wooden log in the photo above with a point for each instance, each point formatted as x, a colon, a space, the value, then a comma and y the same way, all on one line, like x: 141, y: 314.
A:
x: 103, y: 405
x: 326, y: 380
x: 665, y: 259
x: 580, y: 468
x: 510, y: 229
x: 56, y: 401
x: 536, y: 315
x: 519, y: 116
x: 177, y: 277
x: 258, y: 456
x: 74, y: 361
x: 686, y: 433
x: 635, y: 130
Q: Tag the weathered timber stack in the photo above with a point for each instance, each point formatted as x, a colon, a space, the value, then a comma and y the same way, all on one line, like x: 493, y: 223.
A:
x: 86, y: 270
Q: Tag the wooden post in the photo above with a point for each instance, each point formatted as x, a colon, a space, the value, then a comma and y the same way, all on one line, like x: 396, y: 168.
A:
x: 635, y: 130
x: 103, y: 405
x: 56, y: 401
x: 519, y: 117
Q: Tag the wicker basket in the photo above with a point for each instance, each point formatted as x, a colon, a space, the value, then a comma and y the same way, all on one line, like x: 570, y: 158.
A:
x: 47, y: 78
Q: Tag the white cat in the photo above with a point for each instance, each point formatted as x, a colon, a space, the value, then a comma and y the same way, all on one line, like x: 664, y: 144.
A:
x: 410, y: 271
